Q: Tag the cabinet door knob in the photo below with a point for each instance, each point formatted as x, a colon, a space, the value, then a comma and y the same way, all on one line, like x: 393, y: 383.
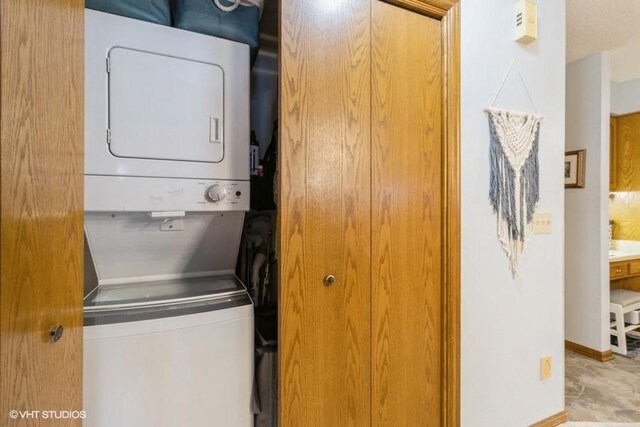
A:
x: 55, y: 333
x: 329, y: 280
x: 619, y: 270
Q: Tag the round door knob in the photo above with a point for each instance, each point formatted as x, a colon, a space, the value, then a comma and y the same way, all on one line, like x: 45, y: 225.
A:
x: 55, y: 334
x: 216, y: 193
x: 329, y: 280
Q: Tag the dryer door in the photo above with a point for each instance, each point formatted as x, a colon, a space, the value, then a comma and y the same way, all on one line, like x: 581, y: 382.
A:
x: 164, y: 107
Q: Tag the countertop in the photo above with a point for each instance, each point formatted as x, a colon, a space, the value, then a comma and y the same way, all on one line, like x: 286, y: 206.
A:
x: 624, y: 250
x: 617, y: 256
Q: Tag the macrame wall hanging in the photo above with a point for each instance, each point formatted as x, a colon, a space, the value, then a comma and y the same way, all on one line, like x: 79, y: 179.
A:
x: 514, y: 183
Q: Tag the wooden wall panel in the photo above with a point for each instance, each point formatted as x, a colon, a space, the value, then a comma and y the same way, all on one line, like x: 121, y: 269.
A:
x: 324, y: 213
x: 407, y: 204
x: 41, y: 207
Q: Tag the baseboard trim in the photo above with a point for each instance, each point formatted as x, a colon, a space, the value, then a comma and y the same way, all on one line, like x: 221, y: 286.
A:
x: 552, y: 421
x: 600, y: 356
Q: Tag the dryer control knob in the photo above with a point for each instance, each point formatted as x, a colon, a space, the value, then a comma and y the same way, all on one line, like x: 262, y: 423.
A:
x: 216, y: 193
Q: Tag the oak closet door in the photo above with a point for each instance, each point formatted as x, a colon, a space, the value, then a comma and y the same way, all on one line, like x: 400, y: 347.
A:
x: 324, y: 213
x: 41, y: 208
x: 406, y: 221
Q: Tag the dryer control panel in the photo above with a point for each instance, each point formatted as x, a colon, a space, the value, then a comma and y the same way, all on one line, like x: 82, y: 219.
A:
x: 112, y: 194
x: 223, y: 193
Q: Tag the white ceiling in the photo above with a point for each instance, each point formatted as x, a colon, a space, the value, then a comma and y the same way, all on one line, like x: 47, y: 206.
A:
x: 606, y: 25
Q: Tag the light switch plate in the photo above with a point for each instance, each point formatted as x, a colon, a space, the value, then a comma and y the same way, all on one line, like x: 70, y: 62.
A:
x: 541, y: 223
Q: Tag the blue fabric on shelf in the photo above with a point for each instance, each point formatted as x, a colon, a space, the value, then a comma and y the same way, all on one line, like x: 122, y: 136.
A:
x: 156, y: 11
x: 203, y: 16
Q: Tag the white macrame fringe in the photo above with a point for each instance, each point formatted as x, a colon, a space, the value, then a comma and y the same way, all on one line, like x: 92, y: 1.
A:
x: 514, y: 185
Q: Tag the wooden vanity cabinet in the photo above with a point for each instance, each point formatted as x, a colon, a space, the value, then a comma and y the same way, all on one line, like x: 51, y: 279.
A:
x: 623, y: 269
x: 625, y: 275
x: 618, y: 270
x: 634, y: 267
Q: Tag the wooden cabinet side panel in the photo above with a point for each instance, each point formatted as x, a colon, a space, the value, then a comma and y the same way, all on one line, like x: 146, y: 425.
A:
x: 324, y: 213
x: 628, y: 153
x: 407, y: 158
x: 613, y: 134
x: 630, y: 283
x: 41, y: 202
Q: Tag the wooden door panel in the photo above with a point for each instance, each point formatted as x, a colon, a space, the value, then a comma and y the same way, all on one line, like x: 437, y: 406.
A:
x: 627, y: 153
x: 41, y: 207
x: 406, y: 218
x: 324, y: 213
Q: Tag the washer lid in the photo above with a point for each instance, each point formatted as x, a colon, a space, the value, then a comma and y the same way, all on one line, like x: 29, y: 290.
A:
x: 162, y: 292
x: 164, y: 108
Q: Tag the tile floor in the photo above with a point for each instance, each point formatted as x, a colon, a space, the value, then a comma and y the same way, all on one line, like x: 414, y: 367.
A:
x: 604, y: 392
x: 589, y: 424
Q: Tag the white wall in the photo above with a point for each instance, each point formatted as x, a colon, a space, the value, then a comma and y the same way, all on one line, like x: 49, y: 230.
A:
x: 507, y: 324
x: 587, y: 209
x: 625, y: 97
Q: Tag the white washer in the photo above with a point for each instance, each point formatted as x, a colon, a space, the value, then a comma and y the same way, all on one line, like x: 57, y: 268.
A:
x: 168, y: 335
x: 188, y: 362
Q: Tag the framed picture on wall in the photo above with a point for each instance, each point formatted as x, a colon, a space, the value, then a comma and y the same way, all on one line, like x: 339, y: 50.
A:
x: 574, y: 167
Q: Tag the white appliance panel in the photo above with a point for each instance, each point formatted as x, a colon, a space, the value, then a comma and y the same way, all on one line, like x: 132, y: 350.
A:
x: 134, y: 247
x: 113, y: 193
x: 165, y: 108
x: 194, y: 370
x: 177, y: 112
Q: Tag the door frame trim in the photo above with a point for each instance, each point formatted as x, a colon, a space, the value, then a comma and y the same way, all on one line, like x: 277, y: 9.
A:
x: 438, y: 9
x: 448, y: 12
x: 451, y: 226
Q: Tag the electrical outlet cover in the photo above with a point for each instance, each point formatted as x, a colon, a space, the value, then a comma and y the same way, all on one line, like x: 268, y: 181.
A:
x: 545, y: 368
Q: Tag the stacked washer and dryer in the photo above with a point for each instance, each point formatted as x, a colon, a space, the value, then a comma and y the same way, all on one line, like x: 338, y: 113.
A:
x: 168, y: 336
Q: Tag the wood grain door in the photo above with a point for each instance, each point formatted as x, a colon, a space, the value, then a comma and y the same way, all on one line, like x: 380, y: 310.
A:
x: 627, y: 152
x: 324, y: 213
x: 407, y: 205
x: 41, y: 209
x: 368, y: 143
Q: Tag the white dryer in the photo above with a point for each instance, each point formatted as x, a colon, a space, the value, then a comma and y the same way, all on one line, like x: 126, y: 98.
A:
x: 163, y: 103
